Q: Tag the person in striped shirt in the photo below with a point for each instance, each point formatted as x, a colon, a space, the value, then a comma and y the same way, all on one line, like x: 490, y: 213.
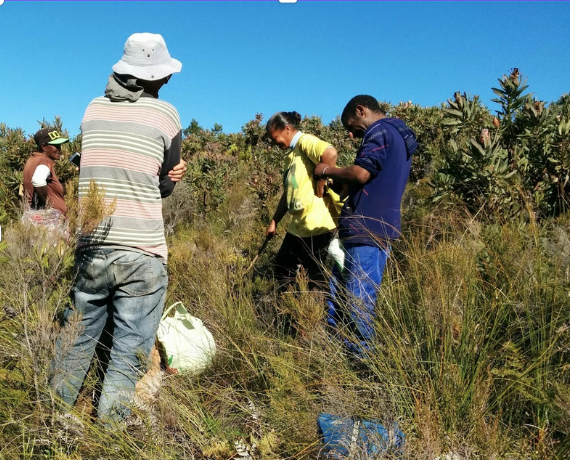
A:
x: 131, y: 145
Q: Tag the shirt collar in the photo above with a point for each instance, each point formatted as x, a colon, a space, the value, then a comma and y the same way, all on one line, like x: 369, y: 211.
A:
x: 296, y: 137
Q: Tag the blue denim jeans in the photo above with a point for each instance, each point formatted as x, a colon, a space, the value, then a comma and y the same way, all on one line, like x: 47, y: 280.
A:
x: 130, y: 287
x: 353, y: 295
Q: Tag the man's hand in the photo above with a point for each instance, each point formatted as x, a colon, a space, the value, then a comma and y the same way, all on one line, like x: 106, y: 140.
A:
x: 319, y: 169
x: 350, y: 175
x: 177, y: 173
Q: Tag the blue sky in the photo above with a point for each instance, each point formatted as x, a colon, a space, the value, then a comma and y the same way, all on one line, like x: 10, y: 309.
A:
x: 242, y: 58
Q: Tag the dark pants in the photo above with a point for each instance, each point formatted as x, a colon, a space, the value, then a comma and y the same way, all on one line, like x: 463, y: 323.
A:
x: 310, y: 253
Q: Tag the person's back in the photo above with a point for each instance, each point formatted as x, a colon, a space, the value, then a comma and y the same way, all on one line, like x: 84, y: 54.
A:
x: 310, y: 214
x: 131, y: 151
x: 123, y: 149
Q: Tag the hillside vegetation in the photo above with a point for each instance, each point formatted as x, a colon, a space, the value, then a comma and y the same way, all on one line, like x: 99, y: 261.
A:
x: 473, y: 314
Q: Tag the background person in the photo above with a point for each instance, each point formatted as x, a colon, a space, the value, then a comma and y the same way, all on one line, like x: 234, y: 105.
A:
x: 370, y: 218
x: 131, y: 144
x: 312, y: 225
x: 42, y: 188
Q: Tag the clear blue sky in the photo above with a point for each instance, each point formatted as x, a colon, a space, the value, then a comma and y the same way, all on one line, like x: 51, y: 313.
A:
x: 241, y: 58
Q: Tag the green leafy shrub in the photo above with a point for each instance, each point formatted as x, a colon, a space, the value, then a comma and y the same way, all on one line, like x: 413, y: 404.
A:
x: 515, y: 165
x: 472, y: 325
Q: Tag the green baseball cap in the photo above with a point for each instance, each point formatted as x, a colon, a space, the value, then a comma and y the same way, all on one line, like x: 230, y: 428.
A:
x: 49, y: 136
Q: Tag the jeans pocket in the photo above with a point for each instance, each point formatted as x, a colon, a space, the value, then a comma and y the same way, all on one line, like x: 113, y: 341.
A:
x: 137, y: 277
x: 89, y: 271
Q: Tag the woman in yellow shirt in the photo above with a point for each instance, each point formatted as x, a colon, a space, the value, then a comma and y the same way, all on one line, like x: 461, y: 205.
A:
x: 312, y: 225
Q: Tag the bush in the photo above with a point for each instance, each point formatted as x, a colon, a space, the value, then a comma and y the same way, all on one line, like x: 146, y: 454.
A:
x: 472, y: 332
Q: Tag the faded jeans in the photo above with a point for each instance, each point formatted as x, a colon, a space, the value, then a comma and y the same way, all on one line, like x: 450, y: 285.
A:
x: 353, y: 295
x: 131, y: 287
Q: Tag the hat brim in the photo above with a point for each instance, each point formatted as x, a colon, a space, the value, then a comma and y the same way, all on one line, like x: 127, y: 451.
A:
x: 150, y: 73
x: 59, y: 140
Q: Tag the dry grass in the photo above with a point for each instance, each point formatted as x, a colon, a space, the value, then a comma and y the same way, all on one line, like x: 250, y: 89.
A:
x: 471, y: 363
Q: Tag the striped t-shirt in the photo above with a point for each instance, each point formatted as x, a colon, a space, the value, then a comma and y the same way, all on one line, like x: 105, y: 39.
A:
x: 125, y: 148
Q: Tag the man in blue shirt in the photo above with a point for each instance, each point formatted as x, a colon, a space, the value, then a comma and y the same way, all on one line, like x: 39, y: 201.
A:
x: 370, y: 218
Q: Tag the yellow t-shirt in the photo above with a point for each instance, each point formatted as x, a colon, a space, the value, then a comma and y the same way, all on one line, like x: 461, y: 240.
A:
x: 310, y: 214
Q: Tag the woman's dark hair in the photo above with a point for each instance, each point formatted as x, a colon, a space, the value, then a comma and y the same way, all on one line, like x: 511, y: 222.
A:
x: 279, y: 120
x: 364, y: 100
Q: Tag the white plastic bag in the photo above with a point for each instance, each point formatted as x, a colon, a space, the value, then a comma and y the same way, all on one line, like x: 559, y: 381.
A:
x: 337, y: 253
x: 51, y: 220
x: 188, y: 345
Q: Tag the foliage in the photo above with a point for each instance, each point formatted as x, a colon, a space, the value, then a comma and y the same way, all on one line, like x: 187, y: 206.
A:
x: 472, y: 327
x: 515, y: 165
x: 15, y: 149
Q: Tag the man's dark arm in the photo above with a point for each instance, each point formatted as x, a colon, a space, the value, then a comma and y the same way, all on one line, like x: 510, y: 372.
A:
x: 171, y: 159
x: 42, y: 195
x: 351, y: 175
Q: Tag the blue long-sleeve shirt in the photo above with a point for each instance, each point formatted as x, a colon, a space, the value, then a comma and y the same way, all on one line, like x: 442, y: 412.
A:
x: 371, y: 214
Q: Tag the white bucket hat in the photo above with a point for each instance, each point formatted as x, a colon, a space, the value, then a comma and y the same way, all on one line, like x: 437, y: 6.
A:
x: 146, y: 57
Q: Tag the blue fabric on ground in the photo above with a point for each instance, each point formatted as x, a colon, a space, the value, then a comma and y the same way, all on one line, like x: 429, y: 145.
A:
x: 341, y: 436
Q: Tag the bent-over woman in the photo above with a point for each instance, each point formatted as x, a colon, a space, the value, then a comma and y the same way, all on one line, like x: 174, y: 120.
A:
x: 312, y: 225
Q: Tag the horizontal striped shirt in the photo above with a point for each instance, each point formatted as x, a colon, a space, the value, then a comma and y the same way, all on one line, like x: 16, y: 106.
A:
x: 124, y: 148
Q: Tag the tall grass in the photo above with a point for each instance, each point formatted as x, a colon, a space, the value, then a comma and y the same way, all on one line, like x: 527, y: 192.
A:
x: 471, y: 350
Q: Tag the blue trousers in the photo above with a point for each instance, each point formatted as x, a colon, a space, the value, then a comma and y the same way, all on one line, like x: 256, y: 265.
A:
x: 353, y: 295
x: 130, y: 287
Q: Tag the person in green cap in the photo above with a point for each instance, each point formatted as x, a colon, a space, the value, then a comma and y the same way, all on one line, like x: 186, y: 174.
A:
x: 42, y: 188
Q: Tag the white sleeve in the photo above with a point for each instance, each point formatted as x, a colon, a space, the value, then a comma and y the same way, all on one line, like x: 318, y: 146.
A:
x: 39, y: 179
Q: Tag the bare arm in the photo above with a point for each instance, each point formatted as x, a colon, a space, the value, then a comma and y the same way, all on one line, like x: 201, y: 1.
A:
x: 279, y: 214
x: 351, y: 175
x: 328, y: 158
x: 42, y: 193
